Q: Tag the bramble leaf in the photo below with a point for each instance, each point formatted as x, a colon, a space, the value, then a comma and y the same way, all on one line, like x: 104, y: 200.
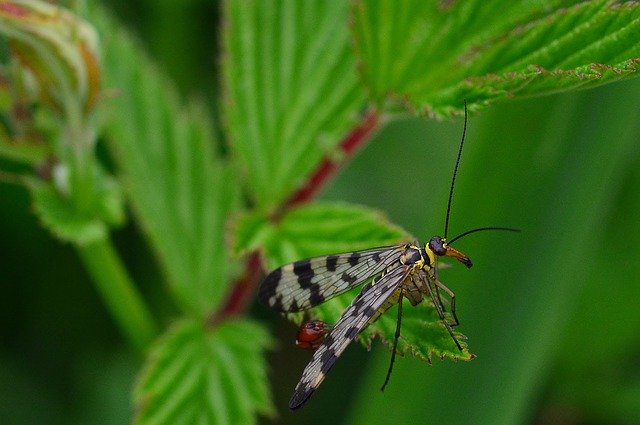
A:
x: 70, y: 224
x: 291, y: 90
x: 200, y: 375
x: 180, y: 191
x: 432, y: 55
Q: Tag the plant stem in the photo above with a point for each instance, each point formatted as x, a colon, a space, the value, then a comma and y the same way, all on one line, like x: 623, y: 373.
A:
x: 241, y: 291
x: 78, y: 154
x: 118, y: 292
x: 328, y: 167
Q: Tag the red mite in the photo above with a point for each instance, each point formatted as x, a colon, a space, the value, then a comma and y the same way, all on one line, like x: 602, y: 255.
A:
x: 311, y: 334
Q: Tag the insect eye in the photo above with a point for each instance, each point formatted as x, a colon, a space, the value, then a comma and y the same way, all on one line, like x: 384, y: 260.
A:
x: 436, y: 244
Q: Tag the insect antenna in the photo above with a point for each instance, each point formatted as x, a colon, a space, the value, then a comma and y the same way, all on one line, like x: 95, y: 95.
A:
x: 453, y: 182
x: 480, y: 229
x: 455, y: 172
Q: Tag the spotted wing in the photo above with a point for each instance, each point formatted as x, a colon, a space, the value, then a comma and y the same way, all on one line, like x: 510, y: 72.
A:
x: 307, y: 283
x: 353, y: 320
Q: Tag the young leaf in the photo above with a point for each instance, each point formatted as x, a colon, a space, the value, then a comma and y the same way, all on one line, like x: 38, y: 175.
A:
x: 433, y: 55
x: 55, y: 63
x: 291, y: 90
x: 179, y: 190
x: 59, y: 49
x: 62, y: 219
x: 200, y: 375
x: 70, y: 224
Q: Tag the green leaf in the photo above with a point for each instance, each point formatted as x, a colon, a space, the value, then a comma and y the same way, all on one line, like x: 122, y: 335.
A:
x: 199, y: 375
x: 432, y: 56
x: 60, y: 215
x: 250, y: 232
x: 291, y: 90
x: 179, y: 190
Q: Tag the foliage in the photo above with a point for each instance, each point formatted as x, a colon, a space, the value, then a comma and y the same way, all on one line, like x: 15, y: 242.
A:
x: 195, y: 375
x: 304, y: 84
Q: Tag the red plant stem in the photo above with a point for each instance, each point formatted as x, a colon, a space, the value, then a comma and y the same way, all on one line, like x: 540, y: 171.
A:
x: 241, y: 291
x: 328, y: 167
x: 245, y: 286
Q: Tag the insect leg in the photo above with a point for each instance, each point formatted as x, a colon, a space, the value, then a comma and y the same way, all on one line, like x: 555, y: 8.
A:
x: 395, y: 342
x: 452, y: 297
x: 437, y: 302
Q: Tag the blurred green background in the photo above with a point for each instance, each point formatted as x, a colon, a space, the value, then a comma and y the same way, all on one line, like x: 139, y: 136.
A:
x: 552, y: 313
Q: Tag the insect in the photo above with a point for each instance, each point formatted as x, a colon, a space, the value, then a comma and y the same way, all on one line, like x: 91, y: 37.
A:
x: 311, y: 334
x: 393, y: 273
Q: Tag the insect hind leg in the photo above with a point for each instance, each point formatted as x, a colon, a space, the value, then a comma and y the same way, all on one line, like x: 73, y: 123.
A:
x: 437, y: 303
x: 395, y: 341
x: 452, y: 298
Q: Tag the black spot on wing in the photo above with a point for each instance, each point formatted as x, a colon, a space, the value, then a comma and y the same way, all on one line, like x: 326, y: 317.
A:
x: 352, y: 332
x: 315, y: 297
x: 305, y: 273
x: 277, y: 303
x: 327, y: 360
x: 368, y: 311
x: 294, y: 305
x: 351, y: 279
x: 332, y: 261
x: 354, y: 259
x: 328, y: 357
x: 376, y: 257
x: 269, y: 285
x: 358, y: 302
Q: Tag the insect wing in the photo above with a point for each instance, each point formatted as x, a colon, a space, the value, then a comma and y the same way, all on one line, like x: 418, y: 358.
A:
x: 307, y: 283
x: 353, y: 320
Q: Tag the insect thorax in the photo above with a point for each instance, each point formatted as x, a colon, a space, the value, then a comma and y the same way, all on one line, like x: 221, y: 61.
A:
x: 421, y: 260
x: 416, y: 257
